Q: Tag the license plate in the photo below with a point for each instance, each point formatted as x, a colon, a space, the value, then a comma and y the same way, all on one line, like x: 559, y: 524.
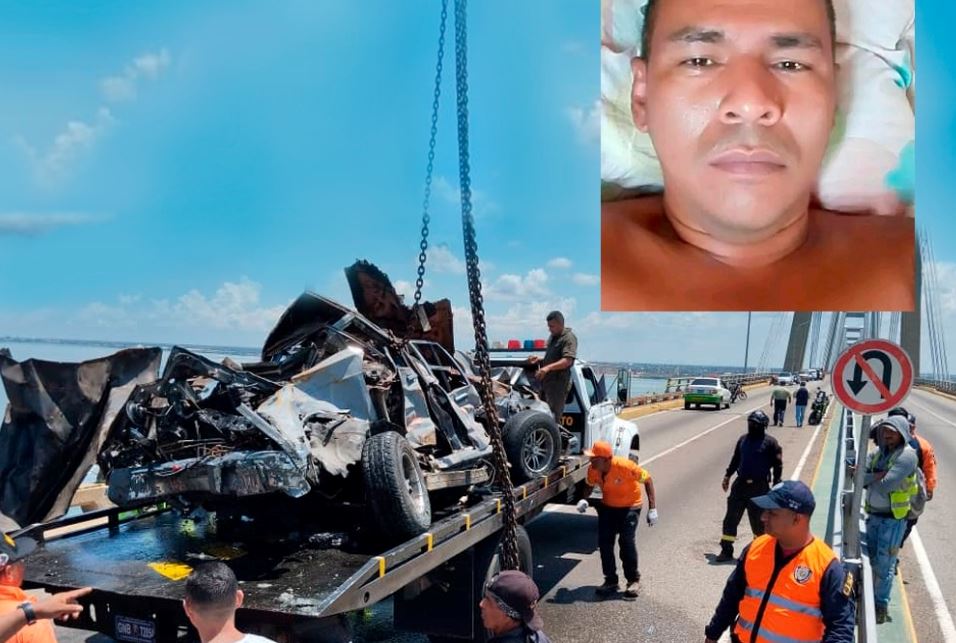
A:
x: 134, y: 630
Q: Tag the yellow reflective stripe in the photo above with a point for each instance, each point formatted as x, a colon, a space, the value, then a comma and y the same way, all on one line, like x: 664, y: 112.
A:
x: 429, y: 541
x: 381, y: 565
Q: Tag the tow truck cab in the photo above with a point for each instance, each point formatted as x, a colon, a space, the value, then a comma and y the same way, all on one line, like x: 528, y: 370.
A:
x: 589, y: 413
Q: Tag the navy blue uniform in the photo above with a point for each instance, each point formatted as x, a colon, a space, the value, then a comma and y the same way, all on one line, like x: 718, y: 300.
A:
x: 836, y: 602
x: 757, y: 461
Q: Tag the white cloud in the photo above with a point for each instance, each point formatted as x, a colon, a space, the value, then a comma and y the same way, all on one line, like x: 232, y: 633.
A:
x: 509, y: 287
x: 27, y: 224
x: 587, y: 122
x: 559, y: 263
x: 584, y: 279
x: 122, y: 87
x: 442, y: 260
x: 481, y: 204
x: 77, y: 137
x: 234, y: 306
x: 405, y: 288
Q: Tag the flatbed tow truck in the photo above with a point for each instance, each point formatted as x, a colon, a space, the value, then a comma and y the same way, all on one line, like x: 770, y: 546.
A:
x: 136, y: 558
x: 292, y: 592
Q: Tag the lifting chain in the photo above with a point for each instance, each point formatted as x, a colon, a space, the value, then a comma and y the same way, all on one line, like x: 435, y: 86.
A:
x: 426, y: 218
x: 509, y: 542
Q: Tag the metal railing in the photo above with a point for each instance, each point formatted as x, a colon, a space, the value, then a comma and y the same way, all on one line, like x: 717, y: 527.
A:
x: 946, y: 386
x: 845, y: 523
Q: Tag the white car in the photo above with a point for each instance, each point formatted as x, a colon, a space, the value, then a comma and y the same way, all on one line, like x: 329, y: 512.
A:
x: 707, y: 390
x: 806, y: 376
x: 785, y: 379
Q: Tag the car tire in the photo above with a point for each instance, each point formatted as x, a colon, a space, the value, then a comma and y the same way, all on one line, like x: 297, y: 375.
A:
x: 532, y: 444
x: 395, y: 487
x: 686, y: 406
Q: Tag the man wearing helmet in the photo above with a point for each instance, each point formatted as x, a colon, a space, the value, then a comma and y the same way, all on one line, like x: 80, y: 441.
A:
x: 757, y: 461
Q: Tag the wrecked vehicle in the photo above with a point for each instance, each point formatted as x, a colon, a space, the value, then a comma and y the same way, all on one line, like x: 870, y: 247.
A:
x: 337, y: 407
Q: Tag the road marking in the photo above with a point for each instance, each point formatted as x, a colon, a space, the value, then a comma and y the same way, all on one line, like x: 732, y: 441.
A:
x: 699, y: 435
x: 943, y: 616
x: 940, y: 417
x: 806, y: 453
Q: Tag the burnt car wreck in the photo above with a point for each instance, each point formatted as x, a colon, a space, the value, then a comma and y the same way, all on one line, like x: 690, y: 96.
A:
x: 339, y: 409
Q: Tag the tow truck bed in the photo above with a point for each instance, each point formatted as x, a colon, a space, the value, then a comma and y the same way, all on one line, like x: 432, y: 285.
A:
x: 284, y: 584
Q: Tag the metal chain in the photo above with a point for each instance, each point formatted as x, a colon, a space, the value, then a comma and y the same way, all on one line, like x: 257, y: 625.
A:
x: 426, y: 219
x: 509, y: 543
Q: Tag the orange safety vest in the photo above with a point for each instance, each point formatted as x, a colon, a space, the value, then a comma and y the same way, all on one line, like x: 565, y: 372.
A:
x: 792, y: 612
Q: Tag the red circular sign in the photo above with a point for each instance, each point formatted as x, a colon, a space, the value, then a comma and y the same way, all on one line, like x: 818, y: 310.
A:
x: 863, y: 388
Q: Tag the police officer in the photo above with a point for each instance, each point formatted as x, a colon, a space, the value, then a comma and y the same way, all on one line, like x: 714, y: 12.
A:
x: 756, y: 456
x: 788, y: 584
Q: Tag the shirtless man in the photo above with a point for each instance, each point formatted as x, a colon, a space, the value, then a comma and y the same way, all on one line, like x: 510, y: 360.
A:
x: 739, y: 98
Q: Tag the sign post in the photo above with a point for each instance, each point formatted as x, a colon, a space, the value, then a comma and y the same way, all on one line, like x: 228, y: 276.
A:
x: 870, y: 377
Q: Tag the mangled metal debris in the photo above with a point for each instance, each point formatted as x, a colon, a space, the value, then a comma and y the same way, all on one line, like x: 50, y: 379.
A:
x: 374, y: 411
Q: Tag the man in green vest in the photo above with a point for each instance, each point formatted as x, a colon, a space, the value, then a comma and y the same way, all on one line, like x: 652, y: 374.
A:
x: 890, y: 482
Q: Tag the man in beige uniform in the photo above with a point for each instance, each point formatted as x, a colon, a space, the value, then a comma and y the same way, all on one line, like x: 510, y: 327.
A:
x: 555, y: 370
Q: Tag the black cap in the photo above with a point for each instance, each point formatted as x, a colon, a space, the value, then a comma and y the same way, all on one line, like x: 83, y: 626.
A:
x: 517, y: 596
x: 789, y: 494
x: 12, y: 550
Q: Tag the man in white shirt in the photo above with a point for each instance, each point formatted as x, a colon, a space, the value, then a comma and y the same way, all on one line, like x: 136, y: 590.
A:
x: 212, y: 598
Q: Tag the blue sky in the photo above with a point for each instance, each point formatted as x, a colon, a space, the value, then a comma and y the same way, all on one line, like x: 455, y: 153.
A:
x: 180, y: 171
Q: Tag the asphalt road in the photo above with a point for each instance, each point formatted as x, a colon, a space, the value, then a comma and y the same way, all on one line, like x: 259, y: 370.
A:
x: 935, y: 421
x: 686, y: 453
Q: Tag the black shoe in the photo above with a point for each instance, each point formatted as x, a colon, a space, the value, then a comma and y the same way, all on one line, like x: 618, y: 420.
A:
x: 633, y: 589
x: 725, y: 556
x: 607, y: 589
x: 882, y: 616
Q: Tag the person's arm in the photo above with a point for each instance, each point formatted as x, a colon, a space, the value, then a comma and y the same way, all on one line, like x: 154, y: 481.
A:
x: 905, y: 465
x: 729, y: 605
x: 777, y: 462
x: 651, y: 496
x: 62, y: 605
x: 836, y: 603
x: 560, y: 365
x: 732, y: 467
x: 929, y: 468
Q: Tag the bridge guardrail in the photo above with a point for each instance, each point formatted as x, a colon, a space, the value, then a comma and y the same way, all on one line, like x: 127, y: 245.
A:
x: 946, y: 386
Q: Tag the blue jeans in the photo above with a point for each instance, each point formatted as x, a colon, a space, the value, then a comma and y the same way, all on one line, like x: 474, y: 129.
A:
x: 799, y: 410
x: 883, y: 538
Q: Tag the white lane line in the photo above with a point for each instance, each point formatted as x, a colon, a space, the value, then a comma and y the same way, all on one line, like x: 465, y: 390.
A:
x: 696, y: 437
x: 943, y: 616
x: 806, y: 453
x: 939, y: 417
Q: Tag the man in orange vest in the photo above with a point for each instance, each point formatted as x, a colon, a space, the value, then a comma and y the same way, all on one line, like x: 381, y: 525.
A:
x: 788, y: 584
x: 619, y: 511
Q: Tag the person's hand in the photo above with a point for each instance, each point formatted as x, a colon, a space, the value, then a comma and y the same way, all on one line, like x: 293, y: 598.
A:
x: 725, y: 483
x: 707, y: 640
x: 879, y: 476
x: 652, y: 517
x: 929, y: 494
x: 582, y: 506
x: 534, y: 359
x: 62, y: 605
x: 540, y: 373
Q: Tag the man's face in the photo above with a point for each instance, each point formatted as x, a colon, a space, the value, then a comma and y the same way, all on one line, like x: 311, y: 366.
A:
x: 602, y: 465
x: 555, y: 327
x: 739, y: 99
x: 492, y: 616
x: 12, y: 574
x: 891, y: 437
x: 779, y: 522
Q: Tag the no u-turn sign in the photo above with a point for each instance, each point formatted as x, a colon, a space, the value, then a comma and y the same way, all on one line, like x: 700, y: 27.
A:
x: 872, y: 376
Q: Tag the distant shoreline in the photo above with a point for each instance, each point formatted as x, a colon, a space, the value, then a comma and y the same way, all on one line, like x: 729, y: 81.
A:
x: 646, y: 370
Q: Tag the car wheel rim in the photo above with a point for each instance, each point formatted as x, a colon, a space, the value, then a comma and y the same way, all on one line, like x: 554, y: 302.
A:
x: 537, y: 450
x: 413, y: 483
